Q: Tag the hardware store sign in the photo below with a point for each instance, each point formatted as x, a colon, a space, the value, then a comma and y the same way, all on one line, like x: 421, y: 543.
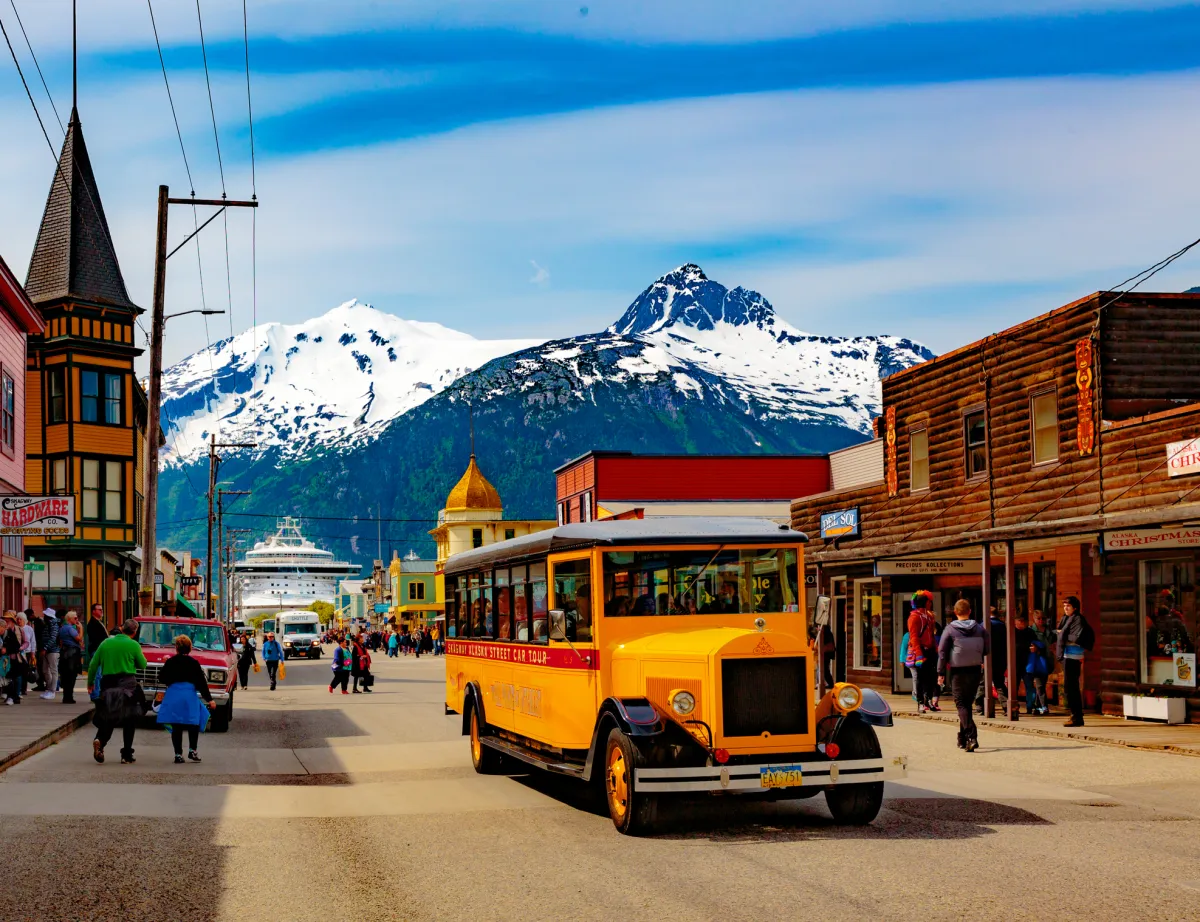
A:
x: 37, y: 516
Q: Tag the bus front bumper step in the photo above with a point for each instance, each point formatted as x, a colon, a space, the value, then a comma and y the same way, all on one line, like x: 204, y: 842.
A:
x: 769, y: 776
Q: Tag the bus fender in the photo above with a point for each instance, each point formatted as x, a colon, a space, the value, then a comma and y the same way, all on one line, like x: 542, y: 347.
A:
x: 472, y: 698
x: 635, y: 717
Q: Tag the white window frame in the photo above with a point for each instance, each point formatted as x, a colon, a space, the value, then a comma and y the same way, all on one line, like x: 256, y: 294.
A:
x: 858, y: 664
x: 912, y: 487
x: 1033, y: 458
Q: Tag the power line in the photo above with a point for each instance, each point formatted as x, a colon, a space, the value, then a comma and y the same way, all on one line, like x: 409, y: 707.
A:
x: 253, y: 188
x: 211, y: 108
x: 13, y: 3
x: 1148, y: 273
x: 163, y: 64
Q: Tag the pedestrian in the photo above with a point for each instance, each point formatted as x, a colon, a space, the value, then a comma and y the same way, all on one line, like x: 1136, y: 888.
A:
x: 342, y: 657
x: 357, y: 653
x: 393, y: 644
x: 246, y: 659
x: 96, y: 631
x: 28, y: 651
x: 272, y: 654
x: 436, y: 634
x: 998, y: 639
x: 1075, y: 640
x: 416, y: 642
x: 1045, y: 639
x: 120, y: 700
x: 49, y: 652
x: 961, y: 651
x: 36, y: 621
x: 181, y: 708
x: 921, y: 657
x: 15, y: 660
x: 70, y: 638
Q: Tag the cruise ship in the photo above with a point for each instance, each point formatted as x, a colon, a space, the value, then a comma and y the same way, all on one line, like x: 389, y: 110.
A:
x: 288, y: 571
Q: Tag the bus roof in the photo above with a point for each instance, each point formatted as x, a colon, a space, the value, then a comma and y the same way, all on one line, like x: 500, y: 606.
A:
x: 679, y: 529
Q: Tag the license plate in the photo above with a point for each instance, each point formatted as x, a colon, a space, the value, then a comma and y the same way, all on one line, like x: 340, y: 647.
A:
x: 780, y: 776
x: 158, y: 698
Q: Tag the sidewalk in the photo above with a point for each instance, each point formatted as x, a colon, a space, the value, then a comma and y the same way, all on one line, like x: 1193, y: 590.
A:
x: 1183, y: 739
x: 34, y: 724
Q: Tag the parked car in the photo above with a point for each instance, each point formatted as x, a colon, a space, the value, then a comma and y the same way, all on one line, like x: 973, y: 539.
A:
x: 210, y: 645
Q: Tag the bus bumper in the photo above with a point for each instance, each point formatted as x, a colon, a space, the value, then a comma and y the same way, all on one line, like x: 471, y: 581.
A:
x: 766, y: 776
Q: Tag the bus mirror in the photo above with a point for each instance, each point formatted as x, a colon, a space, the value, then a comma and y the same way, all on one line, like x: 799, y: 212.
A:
x: 822, y: 611
x: 558, y: 624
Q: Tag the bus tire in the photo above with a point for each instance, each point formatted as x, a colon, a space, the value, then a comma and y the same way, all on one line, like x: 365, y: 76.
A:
x: 632, y: 812
x: 856, y: 804
x: 485, y: 760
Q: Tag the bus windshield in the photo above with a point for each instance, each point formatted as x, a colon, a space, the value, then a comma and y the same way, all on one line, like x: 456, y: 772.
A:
x: 204, y: 636
x: 700, y: 582
x: 299, y: 627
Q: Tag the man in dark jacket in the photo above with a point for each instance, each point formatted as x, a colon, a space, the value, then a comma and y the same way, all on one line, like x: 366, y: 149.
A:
x: 96, y: 632
x: 1070, y: 653
x: 961, y: 650
x: 35, y: 621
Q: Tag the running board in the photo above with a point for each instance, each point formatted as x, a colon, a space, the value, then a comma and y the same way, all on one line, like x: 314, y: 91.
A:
x: 533, y: 758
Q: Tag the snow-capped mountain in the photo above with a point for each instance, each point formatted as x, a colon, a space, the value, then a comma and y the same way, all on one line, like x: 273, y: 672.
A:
x: 338, y: 377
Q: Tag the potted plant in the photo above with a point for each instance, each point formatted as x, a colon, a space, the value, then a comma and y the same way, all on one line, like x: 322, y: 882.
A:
x: 1155, y: 708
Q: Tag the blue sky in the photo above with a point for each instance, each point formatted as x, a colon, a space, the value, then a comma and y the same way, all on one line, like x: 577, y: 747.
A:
x: 525, y: 169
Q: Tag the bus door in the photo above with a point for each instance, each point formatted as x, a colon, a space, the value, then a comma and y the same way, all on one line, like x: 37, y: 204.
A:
x: 532, y: 674
x: 500, y: 696
x: 572, y: 696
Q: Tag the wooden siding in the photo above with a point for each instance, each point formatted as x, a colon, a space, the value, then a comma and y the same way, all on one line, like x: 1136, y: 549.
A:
x: 57, y: 438
x: 1149, y: 346
x: 12, y: 360
x: 94, y: 439
x: 856, y: 466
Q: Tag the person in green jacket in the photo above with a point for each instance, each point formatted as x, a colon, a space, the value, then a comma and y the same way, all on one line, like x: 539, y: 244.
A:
x: 121, y: 701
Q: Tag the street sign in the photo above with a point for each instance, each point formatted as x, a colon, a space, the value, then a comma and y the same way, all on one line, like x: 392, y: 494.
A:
x: 37, y: 516
x: 32, y: 567
x: 381, y: 608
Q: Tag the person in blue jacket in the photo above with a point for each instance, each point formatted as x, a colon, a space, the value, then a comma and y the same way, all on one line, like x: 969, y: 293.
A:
x: 182, y: 707
x: 342, y: 658
x: 272, y: 654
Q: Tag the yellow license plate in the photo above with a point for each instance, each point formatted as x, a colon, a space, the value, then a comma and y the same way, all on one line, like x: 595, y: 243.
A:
x: 158, y: 698
x: 780, y: 776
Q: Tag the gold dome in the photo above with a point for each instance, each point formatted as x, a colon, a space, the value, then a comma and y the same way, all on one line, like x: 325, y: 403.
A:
x: 473, y: 491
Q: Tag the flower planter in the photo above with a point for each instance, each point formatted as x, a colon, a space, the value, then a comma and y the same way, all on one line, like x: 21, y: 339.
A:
x: 1158, y: 710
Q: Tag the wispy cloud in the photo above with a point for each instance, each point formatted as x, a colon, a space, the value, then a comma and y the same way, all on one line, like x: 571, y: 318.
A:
x: 541, y: 275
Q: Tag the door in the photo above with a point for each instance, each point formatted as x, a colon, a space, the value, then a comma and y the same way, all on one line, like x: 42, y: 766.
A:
x: 901, y: 609
x: 839, y: 629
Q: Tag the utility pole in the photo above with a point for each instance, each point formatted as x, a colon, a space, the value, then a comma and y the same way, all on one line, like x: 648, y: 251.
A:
x: 154, y: 392
x: 225, y: 610
x: 214, y: 462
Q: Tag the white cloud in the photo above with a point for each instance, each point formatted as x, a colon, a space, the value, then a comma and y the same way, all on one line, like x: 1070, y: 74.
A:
x: 541, y: 275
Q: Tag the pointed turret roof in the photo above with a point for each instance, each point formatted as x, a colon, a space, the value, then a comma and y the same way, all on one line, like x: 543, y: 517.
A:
x: 473, y: 492
x: 74, y: 256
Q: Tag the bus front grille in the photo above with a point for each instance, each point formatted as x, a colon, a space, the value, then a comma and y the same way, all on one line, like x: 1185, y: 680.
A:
x: 762, y: 695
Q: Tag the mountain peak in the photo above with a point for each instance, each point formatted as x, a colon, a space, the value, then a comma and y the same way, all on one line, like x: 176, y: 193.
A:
x: 687, y: 297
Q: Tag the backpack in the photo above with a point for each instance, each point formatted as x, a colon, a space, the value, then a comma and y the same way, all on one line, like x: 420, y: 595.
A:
x: 1087, y: 636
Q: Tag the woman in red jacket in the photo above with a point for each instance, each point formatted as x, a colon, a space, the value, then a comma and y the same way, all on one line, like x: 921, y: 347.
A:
x: 921, y: 658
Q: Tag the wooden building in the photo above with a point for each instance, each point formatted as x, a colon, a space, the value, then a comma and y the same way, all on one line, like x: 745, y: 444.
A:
x: 1058, y: 458
x: 19, y: 320
x: 600, y: 484
x: 85, y: 409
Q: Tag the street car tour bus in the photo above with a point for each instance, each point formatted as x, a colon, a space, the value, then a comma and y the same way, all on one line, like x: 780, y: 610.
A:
x: 656, y: 657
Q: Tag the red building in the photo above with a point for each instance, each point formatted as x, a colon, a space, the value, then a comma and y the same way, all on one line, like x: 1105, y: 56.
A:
x: 18, y: 319
x: 607, y: 483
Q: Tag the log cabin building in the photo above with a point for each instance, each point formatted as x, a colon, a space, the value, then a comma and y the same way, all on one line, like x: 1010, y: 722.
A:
x: 1058, y: 458
x: 85, y: 409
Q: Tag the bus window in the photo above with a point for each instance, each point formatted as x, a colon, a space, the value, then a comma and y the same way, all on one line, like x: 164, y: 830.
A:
x: 502, y: 599
x: 520, y: 606
x: 693, y: 582
x: 474, y: 625
x: 573, y: 594
x: 537, y: 601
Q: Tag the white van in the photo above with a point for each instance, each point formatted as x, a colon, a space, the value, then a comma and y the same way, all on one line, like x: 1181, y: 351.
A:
x: 299, y: 633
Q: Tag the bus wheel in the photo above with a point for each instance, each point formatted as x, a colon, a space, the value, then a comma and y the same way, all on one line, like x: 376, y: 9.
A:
x: 633, y: 813
x: 856, y: 804
x: 485, y: 759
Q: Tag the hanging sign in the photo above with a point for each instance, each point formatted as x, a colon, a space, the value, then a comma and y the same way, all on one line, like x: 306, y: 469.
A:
x: 1183, y: 458
x: 931, y: 567
x: 840, y: 524
x: 1137, y: 539
x: 37, y: 516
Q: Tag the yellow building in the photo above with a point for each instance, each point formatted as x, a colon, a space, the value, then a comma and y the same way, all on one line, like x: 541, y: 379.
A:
x: 474, y: 517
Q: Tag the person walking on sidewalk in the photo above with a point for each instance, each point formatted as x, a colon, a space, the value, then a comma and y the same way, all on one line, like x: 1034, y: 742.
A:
x: 961, y: 651
x: 185, y: 684
x: 272, y: 654
x: 28, y: 651
x: 1075, y: 639
x: 342, y: 657
x: 393, y: 644
x: 49, y: 652
x: 70, y: 663
x: 121, y: 701
x: 12, y: 640
x: 921, y: 657
x: 96, y: 632
x: 246, y: 659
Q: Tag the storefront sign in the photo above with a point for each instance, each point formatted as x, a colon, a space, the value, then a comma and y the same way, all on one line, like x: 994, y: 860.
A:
x: 840, y: 524
x: 37, y: 516
x: 1139, y: 539
x: 1183, y: 458
x: 1085, y: 382
x: 928, y: 567
x: 381, y: 608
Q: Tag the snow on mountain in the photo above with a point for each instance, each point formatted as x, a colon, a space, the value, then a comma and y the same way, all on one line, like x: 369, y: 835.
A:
x: 341, y: 376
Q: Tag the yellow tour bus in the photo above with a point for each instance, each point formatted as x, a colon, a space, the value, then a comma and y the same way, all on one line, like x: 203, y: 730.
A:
x: 657, y: 657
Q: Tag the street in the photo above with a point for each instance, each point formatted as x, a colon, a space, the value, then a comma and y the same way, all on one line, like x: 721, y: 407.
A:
x: 366, y: 807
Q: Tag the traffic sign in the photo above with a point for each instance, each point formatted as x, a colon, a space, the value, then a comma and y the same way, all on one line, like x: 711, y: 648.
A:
x: 32, y: 567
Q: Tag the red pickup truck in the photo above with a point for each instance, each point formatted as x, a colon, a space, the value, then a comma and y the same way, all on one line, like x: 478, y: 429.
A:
x: 210, y: 645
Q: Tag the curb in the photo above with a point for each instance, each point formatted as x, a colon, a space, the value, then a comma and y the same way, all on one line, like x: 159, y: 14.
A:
x: 46, y: 740
x: 1050, y: 734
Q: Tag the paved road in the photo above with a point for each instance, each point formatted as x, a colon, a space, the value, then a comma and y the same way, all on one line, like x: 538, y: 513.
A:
x: 365, y: 807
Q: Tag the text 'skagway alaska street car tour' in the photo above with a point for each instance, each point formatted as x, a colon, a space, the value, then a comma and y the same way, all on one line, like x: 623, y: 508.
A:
x: 657, y: 657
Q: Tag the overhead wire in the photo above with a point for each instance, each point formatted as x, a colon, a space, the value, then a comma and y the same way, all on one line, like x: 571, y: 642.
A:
x: 253, y: 186
x: 41, y: 76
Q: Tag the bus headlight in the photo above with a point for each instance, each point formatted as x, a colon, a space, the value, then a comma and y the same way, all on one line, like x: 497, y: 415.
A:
x: 683, y: 703
x: 847, y: 697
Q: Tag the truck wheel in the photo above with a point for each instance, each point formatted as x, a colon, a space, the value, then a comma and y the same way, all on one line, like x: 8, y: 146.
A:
x: 632, y: 812
x: 856, y: 804
x: 485, y: 759
x: 222, y: 716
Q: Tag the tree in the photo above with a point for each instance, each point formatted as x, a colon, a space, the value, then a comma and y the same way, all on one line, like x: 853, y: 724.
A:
x: 324, y: 610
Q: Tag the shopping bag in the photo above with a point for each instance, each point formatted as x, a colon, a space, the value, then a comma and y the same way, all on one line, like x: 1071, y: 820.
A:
x: 257, y: 668
x: 282, y: 670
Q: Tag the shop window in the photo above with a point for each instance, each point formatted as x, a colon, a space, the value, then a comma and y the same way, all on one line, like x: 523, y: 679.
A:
x: 8, y: 412
x: 1168, y: 609
x: 975, y: 438
x: 573, y: 595
x: 918, y: 460
x: 416, y: 592
x: 58, y: 476
x: 868, y: 624
x: 1043, y: 422
x: 57, y: 387
x: 1000, y: 591
x: 1045, y: 592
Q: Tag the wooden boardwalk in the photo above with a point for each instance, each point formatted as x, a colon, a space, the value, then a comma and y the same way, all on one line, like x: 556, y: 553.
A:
x: 34, y: 724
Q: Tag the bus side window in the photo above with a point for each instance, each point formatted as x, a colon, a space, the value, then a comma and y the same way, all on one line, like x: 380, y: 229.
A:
x: 573, y: 594
x: 520, y: 595
x: 539, y: 631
